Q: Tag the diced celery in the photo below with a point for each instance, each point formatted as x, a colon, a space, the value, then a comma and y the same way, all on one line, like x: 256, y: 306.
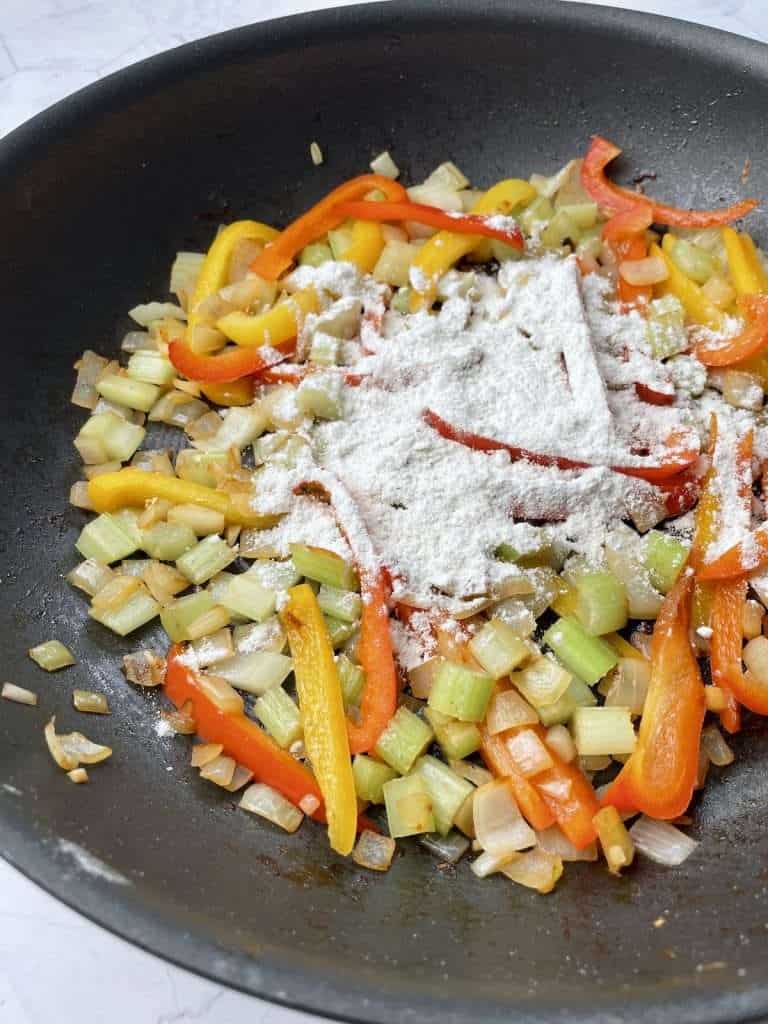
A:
x: 279, y: 715
x: 320, y: 394
x: 461, y: 692
x: 315, y: 254
x: 340, y: 604
x: 339, y: 240
x: 260, y: 636
x: 538, y: 212
x: 665, y: 556
x: 401, y: 300
x: 115, y: 437
x: 132, y: 393
x: 602, y: 731
x: 168, y: 541
x: 405, y: 738
x: 338, y: 631
x: 446, y: 789
x: 583, y: 215
x: 542, y: 681
x: 694, y: 262
x: 274, y: 575
x: 457, y: 740
x: 151, y: 368
x: 176, y: 617
x: 209, y: 556
x: 104, y: 540
x: 256, y: 672
x: 601, y: 603
x: 577, y: 695
x: 128, y: 521
x: 587, y: 656
x: 136, y: 611
x: 560, y: 229
x: 245, y: 595
x: 409, y: 807
x: 498, y: 649
x: 325, y: 350
x: 352, y: 680
x: 51, y: 655
x: 506, y: 553
x: 394, y: 264
x: 665, y: 327
x: 198, y: 467
x: 370, y: 776
x: 324, y: 566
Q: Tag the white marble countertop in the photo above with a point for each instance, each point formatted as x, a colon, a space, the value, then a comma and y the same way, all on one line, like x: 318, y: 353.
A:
x: 55, y: 965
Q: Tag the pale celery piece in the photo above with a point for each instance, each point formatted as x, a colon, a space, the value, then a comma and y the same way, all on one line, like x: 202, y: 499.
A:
x: 321, y: 395
x: 603, y: 730
x: 586, y: 656
x: 446, y: 789
x: 339, y: 240
x: 105, y: 437
x: 539, y: 212
x: 401, y: 300
x: 128, y: 520
x: 315, y: 254
x: 664, y: 557
x: 409, y: 807
x: 583, y: 214
x: 208, y: 557
x: 274, y: 575
x: 370, y: 776
x: 561, y: 228
x: 404, y: 739
x: 137, y: 611
x: 257, y: 672
x: 259, y: 636
x: 394, y: 264
x: 90, y: 576
x: 151, y: 368
x: 694, y: 261
x: 325, y: 350
x: 340, y: 604
x: 498, y: 649
x: 461, y: 692
x: 104, y: 540
x: 339, y: 632
x: 168, y: 541
x: 132, y: 393
x: 279, y: 715
x: 542, y: 681
x: 51, y: 655
x: 457, y: 740
x: 352, y: 679
x: 176, y: 617
x: 245, y: 594
x: 324, y: 566
x: 601, y: 603
x: 665, y: 327
x: 200, y: 467
x: 577, y: 695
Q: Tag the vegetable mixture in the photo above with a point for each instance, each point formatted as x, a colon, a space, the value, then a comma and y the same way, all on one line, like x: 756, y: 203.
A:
x: 567, y: 710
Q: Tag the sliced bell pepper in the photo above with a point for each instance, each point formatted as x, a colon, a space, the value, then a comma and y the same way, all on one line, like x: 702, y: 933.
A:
x: 629, y: 223
x: 745, y: 269
x: 439, y: 253
x: 322, y: 713
x: 241, y: 738
x: 215, y: 269
x: 749, y: 342
x: 498, y: 759
x: 366, y: 247
x: 236, y: 392
x: 131, y: 487
x: 461, y: 223
x: 278, y: 255
x: 652, y: 396
x: 632, y: 296
x: 694, y: 301
x: 272, y: 328
x: 569, y: 795
x: 659, y: 777
x: 727, y: 619
x: 230, y: 365
x: 615, y: 199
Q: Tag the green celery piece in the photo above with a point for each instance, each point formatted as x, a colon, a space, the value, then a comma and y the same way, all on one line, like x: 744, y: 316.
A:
x: 245, y: 595
x: 447, y: 791
x: 664, y: 557
x: 497, y: 648
x: 339, y: 631
x: 104, y: 540
x: 601, y: 603
x: 198, y: 467
x: 132, y: 393
x: 587, y: 656
x: 404, y: 739
x: 206, y: 559
x: 409, y: 807
x: 151, y: 368
x: 315, y: 254
x: 370, y: 776
x: 583, y: 215
x: 340, y: 604
x: 578, y: 695
x: 560, y: 228
x: 279, y: 715
x: 168, y: 541
x: 176, y: 617
x: 137, y: 611
x: 324, y: 567
x: 352, y: 680
x: 665, y: 327
x: 461, y: 692
x: 457, y: 740
x: 339, y: 240
x: 506, y: 553
x: 694, y: 261
x: 256, y: 672
x: 274, y: 575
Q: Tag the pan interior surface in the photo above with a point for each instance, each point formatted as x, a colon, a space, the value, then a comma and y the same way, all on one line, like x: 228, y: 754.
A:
x: 97, y: 196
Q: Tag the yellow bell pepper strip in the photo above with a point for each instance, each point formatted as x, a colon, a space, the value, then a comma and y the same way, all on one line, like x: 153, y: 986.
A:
x: 279, y: 254
x: 615, y: 199
x: 366, y: 247
x: 439, y: 253
x: 748, y: 343
x: 659, y: 777
x: 213, y: 274
x: 694, y: 301
x: 744, y: 267
x: 277, y: 325
x: 237, y: 392
x: 322, y: 712
x: 132, y: 487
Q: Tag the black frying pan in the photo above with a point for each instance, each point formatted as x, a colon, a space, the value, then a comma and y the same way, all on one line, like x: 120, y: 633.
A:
x: 97, y: 195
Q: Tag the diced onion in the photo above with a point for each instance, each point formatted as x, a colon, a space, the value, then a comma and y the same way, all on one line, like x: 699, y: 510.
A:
x: 145, y: 314
x: 145, y: 668
x: 79, y: 496
x: 529, y: 753
x: 90, y: 576
x: 220, y: 771
x: 717, y: 750
x: 471, y: 772
x: 537, y: 869
x: 315, y: 153
x: 662, y: 842
x: 561, y: 741
x: 499, y: 825
x: 553, y: 840
x: 753, y: 619
x: 449, y: 849
x: 242, y: 776
x: 78, y: 775
x: 69, y: 750
x: 650, y: 270
x: 373, y: 851
x: 488, y: 864
x: 181, y: 720
x: 755, y: 655
x: 309, y: 803
x: 422, y: 677
x: 221, y: 693
x: 204, y: 753
x: 384, y: 164
x: 92, y: 703
x: 268, y: 803
x: 89, y: 368
x: 18, y: 694
x: 508, y: 709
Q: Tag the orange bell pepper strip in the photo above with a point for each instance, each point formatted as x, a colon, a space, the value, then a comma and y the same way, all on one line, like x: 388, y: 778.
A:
x: 659, y: 777
x: 279, y: 254
x: 725, y: 649
x: 749, y: 342
x: 459, y: 223
x: 625, y: 234
x: 241, y: 738
x: 569, y: 795
x: 615, y: 199
x: 230, y: 365
x: 498, y: 759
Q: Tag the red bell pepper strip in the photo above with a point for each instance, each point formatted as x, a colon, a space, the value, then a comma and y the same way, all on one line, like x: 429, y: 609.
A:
x: 294, y: 375
x: 652, y: 474
x: 653, y: 397
x: 750, y: 342
x: 241, y: 738
x: 615, y: 199
x: 227, y: 366
x: 659, y: 777
x: 499, y: 760
x: 681, y: 493
x: 459, y: 223
x: 630, y: 223
x: 278, y: 255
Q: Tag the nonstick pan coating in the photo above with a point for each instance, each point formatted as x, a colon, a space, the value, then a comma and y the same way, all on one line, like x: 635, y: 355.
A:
x: 96, y: 196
